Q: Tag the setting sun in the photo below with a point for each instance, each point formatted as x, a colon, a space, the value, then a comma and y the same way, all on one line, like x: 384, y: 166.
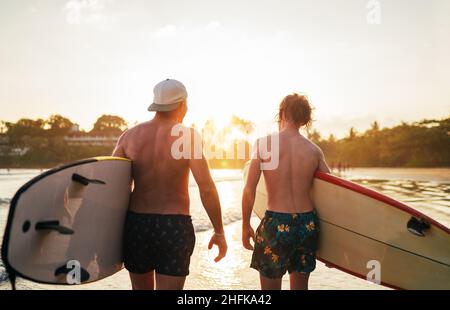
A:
x: 225, y: 145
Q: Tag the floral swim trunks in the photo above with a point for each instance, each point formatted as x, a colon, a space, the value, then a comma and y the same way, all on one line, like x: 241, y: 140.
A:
x: 286, y: 241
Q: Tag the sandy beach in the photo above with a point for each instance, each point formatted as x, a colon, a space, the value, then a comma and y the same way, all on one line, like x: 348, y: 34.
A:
x: 424, y: 189
x: 232, y: 273
x: 359, y: 89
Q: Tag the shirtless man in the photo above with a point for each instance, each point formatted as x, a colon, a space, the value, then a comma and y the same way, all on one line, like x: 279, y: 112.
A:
x: 159, y: 236
x: 286, y: 239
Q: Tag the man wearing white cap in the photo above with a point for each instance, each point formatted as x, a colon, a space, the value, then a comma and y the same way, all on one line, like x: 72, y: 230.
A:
x: 159, y: 237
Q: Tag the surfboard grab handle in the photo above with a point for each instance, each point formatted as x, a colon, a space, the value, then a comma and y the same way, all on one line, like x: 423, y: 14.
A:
x: 53, y: 225
x: 417, y: 226
x: 85, y: 181
x: 84, y: 274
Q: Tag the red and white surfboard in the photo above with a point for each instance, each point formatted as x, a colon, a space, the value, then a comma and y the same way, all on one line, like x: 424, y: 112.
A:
x: 362, y: 229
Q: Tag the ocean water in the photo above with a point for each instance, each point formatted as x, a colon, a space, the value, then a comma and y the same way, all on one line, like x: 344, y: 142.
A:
x: 427, y: 190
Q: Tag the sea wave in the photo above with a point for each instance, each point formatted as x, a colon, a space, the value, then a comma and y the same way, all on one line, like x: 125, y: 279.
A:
x: 20, y: 172
x: 5, y: 201
x: 3, y: 273
x: 231, y: 178
x: 199, y: 227
x: 227, y: 219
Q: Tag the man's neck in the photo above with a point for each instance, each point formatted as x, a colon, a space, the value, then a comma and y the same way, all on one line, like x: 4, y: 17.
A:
x: 289, y: 127
x: 166, y: 117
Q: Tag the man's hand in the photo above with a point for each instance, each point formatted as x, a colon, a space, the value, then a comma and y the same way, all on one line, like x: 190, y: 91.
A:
x: 219, y: 240
x: 247, y: 233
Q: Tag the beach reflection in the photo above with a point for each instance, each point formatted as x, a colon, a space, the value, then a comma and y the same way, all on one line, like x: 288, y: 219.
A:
x: 427, y: 190
x: 424, y: 189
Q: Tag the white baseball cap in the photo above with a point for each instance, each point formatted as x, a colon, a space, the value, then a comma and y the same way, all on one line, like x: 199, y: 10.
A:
x: 168, y: 95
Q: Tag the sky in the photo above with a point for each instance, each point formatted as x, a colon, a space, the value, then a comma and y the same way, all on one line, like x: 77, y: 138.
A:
x: 357, y: 60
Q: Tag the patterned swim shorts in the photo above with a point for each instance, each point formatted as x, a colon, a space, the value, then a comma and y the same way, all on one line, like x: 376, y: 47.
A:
x: 286, y: 241
x: 163, y: 243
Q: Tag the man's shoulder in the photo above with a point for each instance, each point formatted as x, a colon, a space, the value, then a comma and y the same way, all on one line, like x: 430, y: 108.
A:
x: 131, y: 131
x: 314, y: 147
x: 138, y: 127
x: 178, y: 129
x: 269, y: 137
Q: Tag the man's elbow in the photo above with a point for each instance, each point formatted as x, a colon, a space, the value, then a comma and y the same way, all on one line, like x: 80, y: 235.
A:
x: 207, y: 189
x: 249, y: 192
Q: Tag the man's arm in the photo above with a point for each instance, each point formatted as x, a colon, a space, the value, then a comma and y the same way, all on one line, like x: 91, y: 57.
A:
x: 210, y: 201
x: 322, y: 163
x: 248, y: 199
x: 208, y: 192
x: 119, y: 150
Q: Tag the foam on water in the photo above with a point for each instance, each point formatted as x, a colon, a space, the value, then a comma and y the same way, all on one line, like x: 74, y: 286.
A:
x: 4, y: 201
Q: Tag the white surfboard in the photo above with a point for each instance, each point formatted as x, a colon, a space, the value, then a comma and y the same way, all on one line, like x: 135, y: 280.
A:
x: 65, y: 226
x: 362, y: 229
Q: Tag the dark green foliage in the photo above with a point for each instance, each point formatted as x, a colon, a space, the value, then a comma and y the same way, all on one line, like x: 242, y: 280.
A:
x: 421, y: 144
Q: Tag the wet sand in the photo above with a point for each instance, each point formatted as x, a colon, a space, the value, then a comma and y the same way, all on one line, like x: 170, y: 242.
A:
x: 427, y: 190
x: 232, y: 273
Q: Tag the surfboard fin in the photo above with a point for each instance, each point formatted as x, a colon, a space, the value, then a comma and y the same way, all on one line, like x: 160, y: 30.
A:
x: 417, y: 226
x: 53, y: 225
x: 85, y: 181
x: 12, y: 277
x: 84, y: 274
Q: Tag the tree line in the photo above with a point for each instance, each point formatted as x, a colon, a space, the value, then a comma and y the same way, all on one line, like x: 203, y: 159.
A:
x: 417, y: 144
x: 44, y: 140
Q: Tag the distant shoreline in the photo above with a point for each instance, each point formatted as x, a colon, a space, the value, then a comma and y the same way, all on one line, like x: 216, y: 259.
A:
x: 48, y: 143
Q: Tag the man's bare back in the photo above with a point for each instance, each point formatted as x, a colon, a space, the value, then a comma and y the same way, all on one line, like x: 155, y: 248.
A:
x: 159, y: 236
x: 160, y: 181
x: 288, y: 187
x: 287, y: 237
